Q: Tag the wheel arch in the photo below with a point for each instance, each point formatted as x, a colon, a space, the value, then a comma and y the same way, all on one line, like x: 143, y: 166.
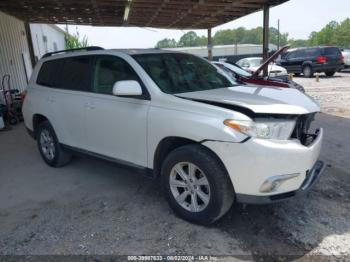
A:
x: 37, y: 120
x: 169, y: 144
x: 307, y: 63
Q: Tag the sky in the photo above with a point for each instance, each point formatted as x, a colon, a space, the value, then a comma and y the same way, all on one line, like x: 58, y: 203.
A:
x: 297, y: 17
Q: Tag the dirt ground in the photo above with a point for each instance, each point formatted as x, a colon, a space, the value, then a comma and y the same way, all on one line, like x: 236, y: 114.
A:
x: 92, y: 207
x: 333, y: 93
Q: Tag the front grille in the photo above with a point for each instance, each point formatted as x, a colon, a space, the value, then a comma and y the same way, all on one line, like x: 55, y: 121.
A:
x: 302, y: 128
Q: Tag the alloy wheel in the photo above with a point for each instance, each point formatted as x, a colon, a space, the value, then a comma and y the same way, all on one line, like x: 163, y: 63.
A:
x: 189, y: 187
x: 47, y: 144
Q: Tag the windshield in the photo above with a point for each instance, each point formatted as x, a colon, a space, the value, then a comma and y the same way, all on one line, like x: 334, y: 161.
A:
x: 238, y: 70
x: 181, y: 73
x: 255, y: 62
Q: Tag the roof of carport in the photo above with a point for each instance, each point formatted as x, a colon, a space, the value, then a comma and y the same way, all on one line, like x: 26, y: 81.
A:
x: 184, y: 14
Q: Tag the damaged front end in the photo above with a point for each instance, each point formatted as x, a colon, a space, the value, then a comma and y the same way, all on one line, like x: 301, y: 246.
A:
x: 303, y: 131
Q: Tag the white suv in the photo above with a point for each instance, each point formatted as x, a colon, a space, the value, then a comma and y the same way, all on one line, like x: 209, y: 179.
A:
x: 177, y: 117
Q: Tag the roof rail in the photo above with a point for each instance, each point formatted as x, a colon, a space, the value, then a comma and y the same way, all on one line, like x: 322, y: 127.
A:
x: 89, y: 48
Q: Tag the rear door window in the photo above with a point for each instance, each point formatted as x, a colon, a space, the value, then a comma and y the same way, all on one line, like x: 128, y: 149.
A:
x: 76, y: 73
x: 312, y: 52
x: 108, y: 70
x: 49, y: 73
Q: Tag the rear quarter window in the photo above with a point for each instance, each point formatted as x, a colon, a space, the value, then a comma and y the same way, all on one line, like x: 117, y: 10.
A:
x: 331, y: 51
x: 49, y: 73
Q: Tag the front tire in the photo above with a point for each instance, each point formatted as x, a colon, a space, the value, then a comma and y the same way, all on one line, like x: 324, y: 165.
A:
x: 50, y: 149
x: 196, y: 184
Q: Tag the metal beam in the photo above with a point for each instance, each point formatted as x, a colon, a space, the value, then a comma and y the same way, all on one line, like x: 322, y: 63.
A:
x: 266, y: 35
x: 30, y: 43
x: 210, y: 45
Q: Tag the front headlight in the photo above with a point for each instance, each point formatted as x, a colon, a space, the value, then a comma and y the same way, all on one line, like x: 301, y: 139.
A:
x: 263, y: 128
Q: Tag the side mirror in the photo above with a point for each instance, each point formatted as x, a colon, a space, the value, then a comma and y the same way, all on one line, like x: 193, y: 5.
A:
x: 127, y: 88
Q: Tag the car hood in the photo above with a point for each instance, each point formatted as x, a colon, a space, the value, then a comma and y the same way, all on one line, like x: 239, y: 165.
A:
x: 265, y: 100
x: 271, y: 67
x: 270, y: 60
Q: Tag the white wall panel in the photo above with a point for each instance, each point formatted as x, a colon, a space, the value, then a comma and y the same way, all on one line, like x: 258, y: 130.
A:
x: 13, y: 47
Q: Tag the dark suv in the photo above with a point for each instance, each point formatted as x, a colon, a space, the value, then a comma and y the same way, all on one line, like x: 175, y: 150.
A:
x: 312, y: 59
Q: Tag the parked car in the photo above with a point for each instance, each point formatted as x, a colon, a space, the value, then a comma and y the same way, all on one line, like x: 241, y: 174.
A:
x: 251, y: 64
x: 309, y: 60
x: 241, y: 76
x: 346, y: 55
x: 175, y: 116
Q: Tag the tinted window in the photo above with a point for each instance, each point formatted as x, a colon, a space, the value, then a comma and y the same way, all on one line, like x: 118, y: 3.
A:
x: 49, y: 73
x: 292, y: 55
x: 311, y: 52
x: 180, y: 73
x: 331, y: 51
x: 76, y: 73
x: 108, y: 70
x: 300, y: 53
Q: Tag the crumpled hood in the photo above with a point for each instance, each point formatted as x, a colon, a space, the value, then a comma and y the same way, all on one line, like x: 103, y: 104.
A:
x: 266, y: 100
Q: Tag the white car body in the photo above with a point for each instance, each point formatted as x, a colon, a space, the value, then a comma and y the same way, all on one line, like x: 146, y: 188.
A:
x: 253, y: 63
x: 346, y: 55
x: 131, y: 130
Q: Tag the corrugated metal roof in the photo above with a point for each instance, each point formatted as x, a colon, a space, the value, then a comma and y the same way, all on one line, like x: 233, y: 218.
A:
x: 151, y: 13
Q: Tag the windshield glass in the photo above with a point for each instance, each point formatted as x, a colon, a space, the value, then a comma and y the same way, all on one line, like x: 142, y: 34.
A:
x: 238, y: 70
x: 255, y: 62
x: 181, y: 73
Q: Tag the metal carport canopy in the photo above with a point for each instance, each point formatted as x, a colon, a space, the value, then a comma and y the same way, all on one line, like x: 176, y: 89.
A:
x: 185, y: 14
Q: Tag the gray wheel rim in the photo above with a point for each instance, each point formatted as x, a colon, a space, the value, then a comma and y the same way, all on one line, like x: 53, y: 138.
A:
x: 47, y: 144
x: 189, y: 186
x: 307, y: 71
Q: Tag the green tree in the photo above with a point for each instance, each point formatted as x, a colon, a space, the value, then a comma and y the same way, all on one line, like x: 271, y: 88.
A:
x: 274, y: 37
x: 189, y: 39
x: 343, y: 34
x: 73, y: 40
x: 298, y: 43
x: 332, y: 34
x: 327, y: 36
x: 224, y: 37
x: 166, y: 43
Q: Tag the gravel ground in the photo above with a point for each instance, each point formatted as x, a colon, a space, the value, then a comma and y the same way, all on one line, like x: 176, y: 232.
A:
x: 333, y: 93
x: 93, y: 207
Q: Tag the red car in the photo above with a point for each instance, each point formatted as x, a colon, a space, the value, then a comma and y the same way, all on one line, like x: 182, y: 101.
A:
x: 242, y: 76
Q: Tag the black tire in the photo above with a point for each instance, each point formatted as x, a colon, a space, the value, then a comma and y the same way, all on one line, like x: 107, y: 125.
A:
x: 297, y: 74
x: 330, y: 73
x: 308, y: 71
x: 221, y: 190
x: 60, y: 156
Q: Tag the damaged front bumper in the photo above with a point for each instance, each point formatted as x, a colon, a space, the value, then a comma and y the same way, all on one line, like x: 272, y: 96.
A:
x: 266, y: 171
x: 311, y: 178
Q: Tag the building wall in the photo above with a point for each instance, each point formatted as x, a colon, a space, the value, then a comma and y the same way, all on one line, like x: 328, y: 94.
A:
x: 46, y: 38
x: 14, y: 53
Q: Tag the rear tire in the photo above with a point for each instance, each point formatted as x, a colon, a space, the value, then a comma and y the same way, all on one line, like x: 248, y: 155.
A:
x: 330, y: 73
x: 307, y: 71
x: 50, y: 149
x: 203, y: 192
